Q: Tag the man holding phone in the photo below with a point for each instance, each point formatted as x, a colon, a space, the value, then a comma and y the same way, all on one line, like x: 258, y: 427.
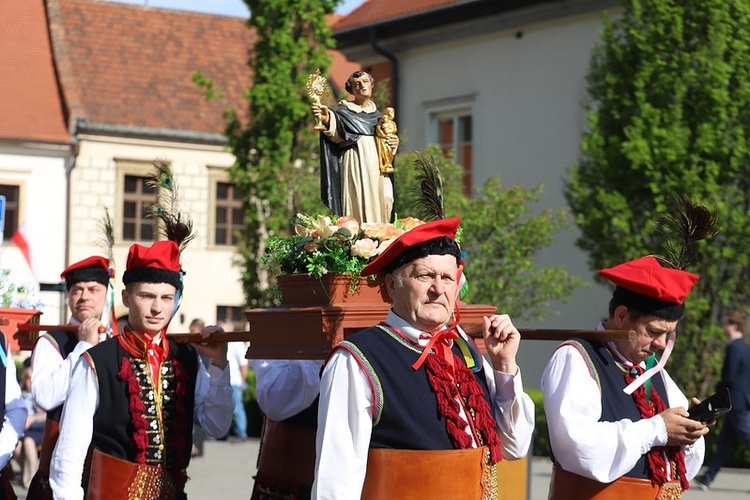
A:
x: 618, y: 424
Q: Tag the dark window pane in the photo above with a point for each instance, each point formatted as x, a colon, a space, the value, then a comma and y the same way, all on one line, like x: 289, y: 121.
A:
x: 131, y: 184
x: 221, y: 236
x: 222, y: 189
x: 128, y: 231
x: 147, y: 232
x: 221, y: 215
x: 237, y: 218
x: 128, y: 209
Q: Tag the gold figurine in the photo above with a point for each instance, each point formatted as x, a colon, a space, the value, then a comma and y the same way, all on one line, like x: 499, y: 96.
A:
x: 384, y: 130
x: 317, y: 89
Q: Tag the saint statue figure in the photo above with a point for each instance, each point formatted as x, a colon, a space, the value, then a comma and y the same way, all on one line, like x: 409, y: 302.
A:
x: 351, y: 181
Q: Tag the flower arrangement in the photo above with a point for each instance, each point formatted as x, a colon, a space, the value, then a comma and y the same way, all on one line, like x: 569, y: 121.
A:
x: 322, y: 245
x: 14, y: 295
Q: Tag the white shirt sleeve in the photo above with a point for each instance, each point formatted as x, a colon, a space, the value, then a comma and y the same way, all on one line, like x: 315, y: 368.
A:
x: 286, y: 387
x: 50, y: 373
x: 514, y: 412
x: 15, y: 414
x: 604, y: 451
x: 76, y: 431
x: 214, y: 403
x: 344, y: 429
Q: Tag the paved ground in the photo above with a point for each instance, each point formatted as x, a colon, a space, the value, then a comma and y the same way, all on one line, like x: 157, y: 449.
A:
x: 225, y: 472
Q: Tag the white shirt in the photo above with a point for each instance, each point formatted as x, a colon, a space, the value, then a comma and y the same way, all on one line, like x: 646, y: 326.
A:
x: 285, y: 387
x: 604, y: 451
x: 213, y: 411
x: 236, y: 357
x: 50, y: 373
x: 16, y: 411
x: 346, y: 410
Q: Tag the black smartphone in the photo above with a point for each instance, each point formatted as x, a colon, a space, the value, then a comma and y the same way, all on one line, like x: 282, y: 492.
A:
x: 712, y: 407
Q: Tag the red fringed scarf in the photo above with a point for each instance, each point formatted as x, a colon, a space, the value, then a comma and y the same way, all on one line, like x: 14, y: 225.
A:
x: 462, y: 384
x: 657, y: 463
x: 139, y: 439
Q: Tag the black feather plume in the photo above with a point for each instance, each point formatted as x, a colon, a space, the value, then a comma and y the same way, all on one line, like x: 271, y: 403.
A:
x: 107, y: 238
x: 683, y: 225
x: 428, y: 190
x: 178, y: 226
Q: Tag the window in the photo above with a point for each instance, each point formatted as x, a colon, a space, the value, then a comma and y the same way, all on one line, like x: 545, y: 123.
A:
x: 229, y: 217
x: 455, y: 136
x: 11, y: 194
x: 232, y: 314
x: 137, y: 197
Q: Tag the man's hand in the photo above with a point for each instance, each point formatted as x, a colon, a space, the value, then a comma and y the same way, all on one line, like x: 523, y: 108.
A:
x: 501, y: 340
x: 681, y: 430
x: 216, y: 351
x: 89, y: 330
x: 320, y: 112
x: 393, y: 141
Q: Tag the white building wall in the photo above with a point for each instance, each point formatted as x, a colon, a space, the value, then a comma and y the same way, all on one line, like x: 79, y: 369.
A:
x: 528, y: 87
x: 40, y: 173
x: 211, y: 278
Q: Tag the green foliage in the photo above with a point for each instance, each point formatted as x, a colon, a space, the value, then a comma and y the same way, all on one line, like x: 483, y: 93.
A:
x: 276, y: 168
x: 668, y: 114
x: 501, y: 236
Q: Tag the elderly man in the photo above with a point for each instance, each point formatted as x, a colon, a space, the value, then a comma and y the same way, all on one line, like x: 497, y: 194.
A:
x: 134, y: 398
x: 618, y: 424
x: 408, y: 408
x: 56, y: 353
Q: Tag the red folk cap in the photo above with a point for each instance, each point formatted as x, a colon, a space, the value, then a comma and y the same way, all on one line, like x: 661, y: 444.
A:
x: 420, y: 234
x: 159, y: 263
x: 647, y: 286
x: 94, y: 268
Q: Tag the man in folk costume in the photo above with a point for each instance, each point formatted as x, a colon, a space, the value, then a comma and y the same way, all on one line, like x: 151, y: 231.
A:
x: 56, y: 353
x: 134, y: 398
x: 615, y: 431
x: 409, y: 408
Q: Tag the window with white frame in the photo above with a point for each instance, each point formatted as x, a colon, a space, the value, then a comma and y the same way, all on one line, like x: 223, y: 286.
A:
x: 451, y: 127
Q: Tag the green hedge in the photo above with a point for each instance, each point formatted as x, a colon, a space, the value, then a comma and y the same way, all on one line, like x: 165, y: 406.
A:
x: 740, y: 456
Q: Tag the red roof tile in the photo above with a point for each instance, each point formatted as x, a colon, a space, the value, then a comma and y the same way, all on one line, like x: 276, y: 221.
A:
x: 373, y: 11
x: 30, y: 107
x: 131, y: 66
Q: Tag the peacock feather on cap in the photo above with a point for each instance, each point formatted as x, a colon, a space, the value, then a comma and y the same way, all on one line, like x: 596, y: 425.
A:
x: 682, y: 226
x: 178, y: 226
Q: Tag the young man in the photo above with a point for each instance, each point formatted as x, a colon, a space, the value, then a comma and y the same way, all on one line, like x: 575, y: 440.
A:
x: 56, y: 353
x: 409, y: 408
x: 607, y: 443
x: 134, y: 398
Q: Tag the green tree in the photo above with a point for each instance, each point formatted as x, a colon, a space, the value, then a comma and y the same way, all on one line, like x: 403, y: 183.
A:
x: 501, y: 235
x: 668, y: 115
x: 276, y: 169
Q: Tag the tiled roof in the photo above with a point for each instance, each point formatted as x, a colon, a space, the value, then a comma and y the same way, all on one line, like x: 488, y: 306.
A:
x: 30, y: 106
x: 127, y: 65
x: 373, y: 11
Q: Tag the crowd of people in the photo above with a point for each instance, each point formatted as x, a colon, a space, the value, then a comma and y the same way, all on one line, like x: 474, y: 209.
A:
x: 408, y: 408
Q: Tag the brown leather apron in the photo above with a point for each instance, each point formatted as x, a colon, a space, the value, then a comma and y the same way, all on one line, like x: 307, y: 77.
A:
x: 566, y: 485
x: 420, y: 474
x: 287, y: 453
x: 112, y: 477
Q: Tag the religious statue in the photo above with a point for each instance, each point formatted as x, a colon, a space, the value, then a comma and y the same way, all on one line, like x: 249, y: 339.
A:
x: 352, y: 182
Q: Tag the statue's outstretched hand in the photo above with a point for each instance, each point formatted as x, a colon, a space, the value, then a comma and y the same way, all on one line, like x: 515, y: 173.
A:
x: 320, y: 112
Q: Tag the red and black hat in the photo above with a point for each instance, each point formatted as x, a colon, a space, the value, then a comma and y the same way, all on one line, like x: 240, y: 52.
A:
x: 94, y: 268
x: 159, y: 263
x: 431, y: 238
x: 644, y: 285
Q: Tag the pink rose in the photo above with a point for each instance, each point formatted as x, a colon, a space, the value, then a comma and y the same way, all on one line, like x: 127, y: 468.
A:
x: 410, y: 223
x: 364, y: 248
